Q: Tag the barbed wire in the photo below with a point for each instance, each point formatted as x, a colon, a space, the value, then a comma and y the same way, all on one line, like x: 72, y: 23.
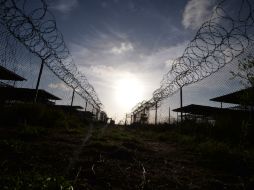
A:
x: 220, y: 40
x: 36, y: 29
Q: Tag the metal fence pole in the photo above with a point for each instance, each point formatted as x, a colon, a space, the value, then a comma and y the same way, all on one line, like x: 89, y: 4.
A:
x: 169, y: 115
x: 86, y: 106
x: 97, y: 114
x: 125, y: 123
x: 72, y: 97
x: 156, y: 107
x: 181, y: 103
x: 92, y: 108
x: 39, y: 78
x: 38, y: 81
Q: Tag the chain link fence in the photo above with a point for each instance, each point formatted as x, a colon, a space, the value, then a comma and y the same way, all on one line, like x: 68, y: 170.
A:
x: 209, y: 66
x: 28, y: 39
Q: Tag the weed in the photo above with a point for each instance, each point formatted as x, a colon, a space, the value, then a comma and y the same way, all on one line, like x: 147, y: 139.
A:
x: 28, y: 131
x: 214, y: 149
x: 34, y: 182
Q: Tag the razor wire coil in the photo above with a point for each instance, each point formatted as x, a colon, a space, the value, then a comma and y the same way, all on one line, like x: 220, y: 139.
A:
x: 219, y: 41
x: 36, y: 29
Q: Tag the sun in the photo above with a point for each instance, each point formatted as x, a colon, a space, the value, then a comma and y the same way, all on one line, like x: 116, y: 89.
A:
x: 128, y: 91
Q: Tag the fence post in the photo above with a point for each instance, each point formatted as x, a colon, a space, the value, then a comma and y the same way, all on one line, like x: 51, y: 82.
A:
x: 96, y: 114
x: 176, y: 118
x: 181, y: 103
x: 156, y: 107
x: 72, y: 98
x: 125, y: 123
x: 169, y: 115
x: 38, y: 81
x: 92, y: 108
x: 86, y: 105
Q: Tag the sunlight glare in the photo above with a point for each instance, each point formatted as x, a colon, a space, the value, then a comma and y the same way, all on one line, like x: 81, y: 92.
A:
x: 128, y: 91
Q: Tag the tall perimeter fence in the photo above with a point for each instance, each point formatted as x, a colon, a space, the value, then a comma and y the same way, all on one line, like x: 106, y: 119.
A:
x: 210, y: 66
x: 32, y: 47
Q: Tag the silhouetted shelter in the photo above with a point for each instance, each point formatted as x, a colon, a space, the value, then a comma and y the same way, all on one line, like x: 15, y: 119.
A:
x: 68, y: 107
x: 245, y: 96
x: 25, y: 95
x: 2, y: 84
x: 6, y: 74
x: 197, y: 109
x: 87, y: 114
x: 207, y: 110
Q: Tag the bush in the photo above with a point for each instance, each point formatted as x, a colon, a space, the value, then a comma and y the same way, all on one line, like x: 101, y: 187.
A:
x: 27, y: 131
x: 38, y: 115
x: 34, y: 181
x: 214, y: 149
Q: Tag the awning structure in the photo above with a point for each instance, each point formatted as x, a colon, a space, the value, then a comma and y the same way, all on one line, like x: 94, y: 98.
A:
x: 88, y: 113
x: 6, y: 74
x: 198, y: 109
x: 68, y: 107
x: 25, y: 94
x: 205, y: 110
x: 242, y: 96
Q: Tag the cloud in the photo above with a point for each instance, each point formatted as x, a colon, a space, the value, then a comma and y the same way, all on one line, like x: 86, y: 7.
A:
x: 104, y: 4
x: 196, y: 12
x: 105, y: 79
x: 124, y: 47
x: 107, y: 57
x: 60, y: 86
x: 64, y: 6
x: 163, y: 58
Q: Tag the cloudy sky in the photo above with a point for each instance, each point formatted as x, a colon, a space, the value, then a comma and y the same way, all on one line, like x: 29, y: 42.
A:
x: 125, y: 46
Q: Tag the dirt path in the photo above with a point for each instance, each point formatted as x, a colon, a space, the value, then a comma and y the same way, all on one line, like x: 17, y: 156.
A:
x: 108, y: 159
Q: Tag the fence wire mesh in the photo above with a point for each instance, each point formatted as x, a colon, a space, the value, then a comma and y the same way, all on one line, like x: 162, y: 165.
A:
x: 28, y: 37
x: 205, y: 69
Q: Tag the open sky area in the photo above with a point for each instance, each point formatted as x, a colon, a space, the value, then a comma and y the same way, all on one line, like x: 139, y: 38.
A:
x: 125, y: 46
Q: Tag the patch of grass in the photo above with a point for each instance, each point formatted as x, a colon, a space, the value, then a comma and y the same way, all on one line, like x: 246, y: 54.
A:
x: 14, y: 145
x: 103, y: 146
x: 213, y: 149
x: 134, y: 145
x: 34, y: 182
x: 115, y: 134
x: 156, y: 157
x: 120, y: 136
x: 28, y: 131
x: 38, y: 115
